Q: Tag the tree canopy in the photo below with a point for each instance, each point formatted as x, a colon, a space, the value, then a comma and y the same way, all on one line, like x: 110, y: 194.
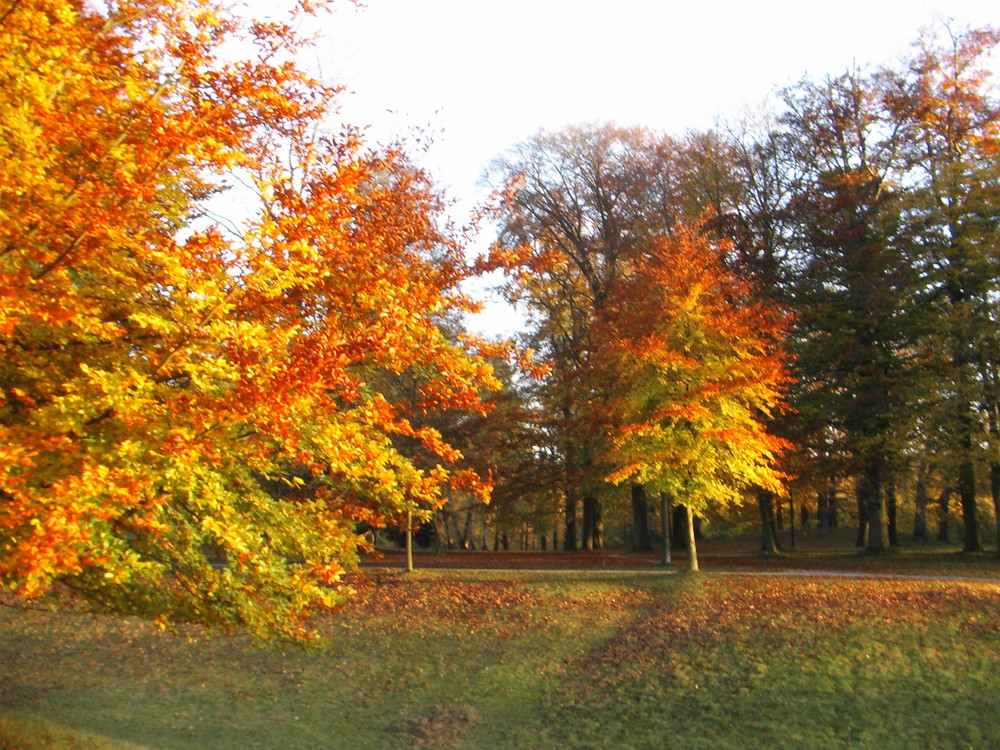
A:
x: 190, y: 426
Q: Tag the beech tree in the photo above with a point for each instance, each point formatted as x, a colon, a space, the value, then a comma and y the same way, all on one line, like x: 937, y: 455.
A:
x: 948, y: 104
x: 583, y: 204
x: 855, y: 287
x: 701, y: 370
x: 161, y: 371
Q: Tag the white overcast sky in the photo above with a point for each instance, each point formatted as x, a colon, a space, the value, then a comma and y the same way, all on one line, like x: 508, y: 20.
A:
x: 481, y: 76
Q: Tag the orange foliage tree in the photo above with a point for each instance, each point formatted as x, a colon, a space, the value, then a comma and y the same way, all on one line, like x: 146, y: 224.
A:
x: 700, y: 369
x: 178, y: 391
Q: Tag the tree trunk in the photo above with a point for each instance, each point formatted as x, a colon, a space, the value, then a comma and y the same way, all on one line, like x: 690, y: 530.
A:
x: 823, y: 510
x: 920, y: 502
x: 995, y: 493
x: 592, y: 525
x: 769, y: 532
x: 692, y: 547
x: 409, y: 542
x: 569, y: 532
x: 791, y: 520
x: 863, y: 528
x: 890, y: 509
x: 598, y: 524
x: 665, y: 526
x: 640, y: 519
x: 944, y: 514
x: 678, y: 526
x: 467, y: 535
x: 871, y: 495
x: 967, y: 495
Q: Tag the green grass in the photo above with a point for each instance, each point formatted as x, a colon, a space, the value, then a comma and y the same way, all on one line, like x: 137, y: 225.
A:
x: 448, y: 659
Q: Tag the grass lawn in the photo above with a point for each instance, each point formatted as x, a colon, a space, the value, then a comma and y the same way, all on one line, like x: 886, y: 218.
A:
x: 516, y: 659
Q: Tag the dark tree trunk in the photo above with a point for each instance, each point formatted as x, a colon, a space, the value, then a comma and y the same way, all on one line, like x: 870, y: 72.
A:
x: 470, y: 543
x: 823, y: 510
x: 967, y: 495
x: 678, y: 526
x: 598, y: 523
x: 920, y: 503
x: 944, y: 514
x: 593, y: 525
x: 863, y: 529
x: 995, y: 493
x: 587, y: 528
x: 769, y: 531
x: 640, y: 518
x: 569, y: 533
x: 791, y: 520
x: 890, y: 509
x: 871, y: 496
x: 409, y: 542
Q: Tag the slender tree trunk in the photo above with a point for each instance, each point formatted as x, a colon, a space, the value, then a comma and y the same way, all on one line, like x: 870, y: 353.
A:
x: 438, y: 533
x: 920, y: 502
x: 470, y: 542
x: 453, y: 526
x: 863, y: 527
x: 823, y: 510
x: 587, y: 540
x: 944, y: 514
x: 995, y: 493
x: 692, y: 547
x: 598, y: 523
x: 769, y: 531
x: 640, y: 518
x: 890, y: 509
x: 791, y: 521
x: 409, y: 542
x: 665, y: 526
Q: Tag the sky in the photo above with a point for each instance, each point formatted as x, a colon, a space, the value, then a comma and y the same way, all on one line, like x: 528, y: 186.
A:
x: 473, y: 78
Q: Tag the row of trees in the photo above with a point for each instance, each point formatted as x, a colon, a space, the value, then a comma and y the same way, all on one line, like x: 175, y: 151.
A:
x: 202, y: 417
x: 838, y: 257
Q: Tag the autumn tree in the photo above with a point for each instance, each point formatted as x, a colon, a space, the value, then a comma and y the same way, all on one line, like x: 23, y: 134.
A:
x: 753, y: 180
x: 163, y: 371
x: 583, y: 204
x: 947, y: 102
x: 701, y: 371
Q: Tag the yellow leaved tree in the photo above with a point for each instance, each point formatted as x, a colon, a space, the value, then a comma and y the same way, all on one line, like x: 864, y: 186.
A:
x: 188, y: 425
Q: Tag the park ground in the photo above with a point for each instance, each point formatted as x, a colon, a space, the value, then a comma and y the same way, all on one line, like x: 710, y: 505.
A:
x: 547, y: 650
